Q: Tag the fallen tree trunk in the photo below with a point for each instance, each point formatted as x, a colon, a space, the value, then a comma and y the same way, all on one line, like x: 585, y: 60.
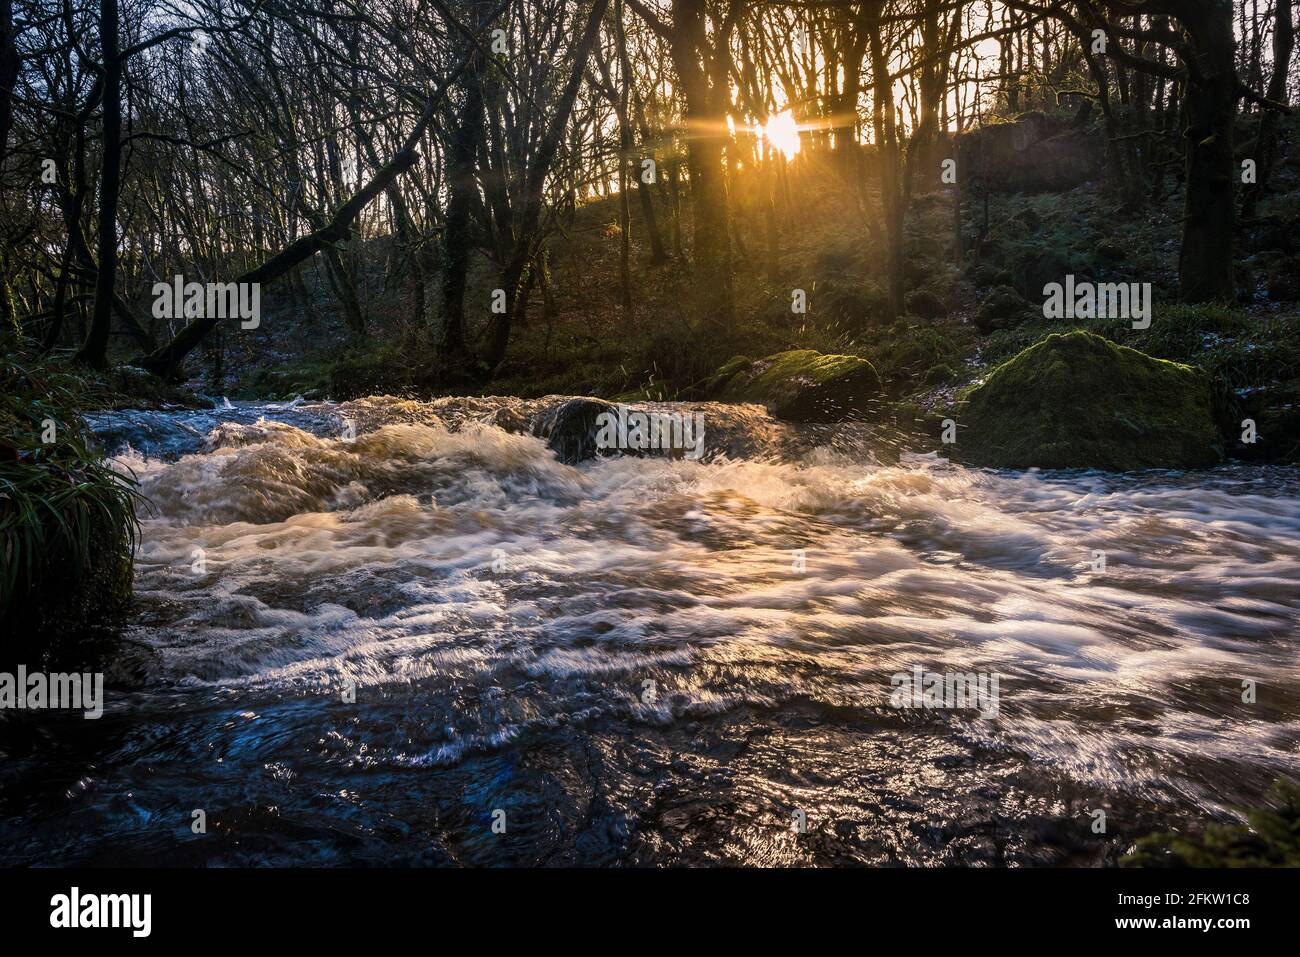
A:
x: 166, y: 361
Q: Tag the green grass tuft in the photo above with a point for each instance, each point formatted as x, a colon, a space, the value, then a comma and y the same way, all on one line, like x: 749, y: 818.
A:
x: 68, y: 523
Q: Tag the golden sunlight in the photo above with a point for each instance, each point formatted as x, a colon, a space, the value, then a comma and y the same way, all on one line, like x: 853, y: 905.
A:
x: 783, y: 133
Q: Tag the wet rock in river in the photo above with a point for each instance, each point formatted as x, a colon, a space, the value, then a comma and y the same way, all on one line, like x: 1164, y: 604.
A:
x: 570, y: 428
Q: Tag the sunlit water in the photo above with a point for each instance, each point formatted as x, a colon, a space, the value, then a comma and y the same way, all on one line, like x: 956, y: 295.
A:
x: 629, y: 658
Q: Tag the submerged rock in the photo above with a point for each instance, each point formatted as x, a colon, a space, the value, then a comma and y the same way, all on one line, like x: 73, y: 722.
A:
x: 801, y: 385
x: 1081, y: 401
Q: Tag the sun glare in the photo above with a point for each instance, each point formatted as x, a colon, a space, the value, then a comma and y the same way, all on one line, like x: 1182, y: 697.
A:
x: 783, y: 133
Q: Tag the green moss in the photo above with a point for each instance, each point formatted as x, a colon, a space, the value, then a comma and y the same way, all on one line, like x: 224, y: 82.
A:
x: 1002, y: 308
x: 1081, y: 401
x: 383, y: 372
x: 1181, y: 333
x: 717, y: 382
x: 985, y: 276
x: 804, y: 385
x: 645, y: 393
x: 941, y: 374
x: 1270, y: 839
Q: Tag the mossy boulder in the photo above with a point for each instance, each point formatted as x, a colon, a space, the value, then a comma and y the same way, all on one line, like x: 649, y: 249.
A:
x: 1002, y: 308
x: 926, y: 303
x: 1081, y: 401
x: 717, y: 382
x: 801, y: 385
x: 1036, y: 266
x: 986, y: 275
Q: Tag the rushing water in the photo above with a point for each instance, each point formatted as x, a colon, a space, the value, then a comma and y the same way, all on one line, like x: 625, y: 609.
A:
x: 626, y: 658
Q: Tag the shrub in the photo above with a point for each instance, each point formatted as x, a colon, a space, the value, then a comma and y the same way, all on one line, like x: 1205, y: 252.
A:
x: 1002, y: 308
x: 926, y: 303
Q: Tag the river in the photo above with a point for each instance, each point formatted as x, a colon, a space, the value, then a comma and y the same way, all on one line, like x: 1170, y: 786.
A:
x: 435, y: 643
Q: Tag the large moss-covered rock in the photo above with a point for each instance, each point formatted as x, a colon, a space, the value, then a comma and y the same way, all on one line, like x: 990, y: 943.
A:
x: 801, y: 385
x: 1081, y: 401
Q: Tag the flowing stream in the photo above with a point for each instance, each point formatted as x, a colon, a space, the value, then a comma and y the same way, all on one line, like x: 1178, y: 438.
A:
x: 361, y: 650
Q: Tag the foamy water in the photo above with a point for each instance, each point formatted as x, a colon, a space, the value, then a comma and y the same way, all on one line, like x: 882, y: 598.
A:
x: 655, y: 660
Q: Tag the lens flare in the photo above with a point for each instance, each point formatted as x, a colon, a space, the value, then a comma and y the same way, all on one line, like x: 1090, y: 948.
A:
x: 782, y: 132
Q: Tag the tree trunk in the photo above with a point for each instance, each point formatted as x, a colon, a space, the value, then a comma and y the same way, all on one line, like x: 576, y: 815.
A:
x: 166, y: 360
x: 1209, y: 110
x: 624, y: 160
x: 706, y: 133
x: 95, y: 349
x: 886, y: 135
x: 8, y: 75
x: 461, y: 189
